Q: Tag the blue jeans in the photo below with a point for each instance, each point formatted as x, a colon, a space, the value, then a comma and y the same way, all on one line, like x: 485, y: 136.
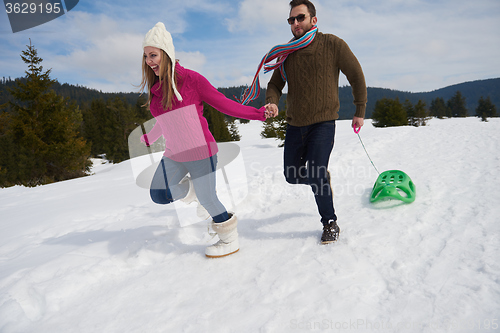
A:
x: 306, y: 157
x: 165, y: 187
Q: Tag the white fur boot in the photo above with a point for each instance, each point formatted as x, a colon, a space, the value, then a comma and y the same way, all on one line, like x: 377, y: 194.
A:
x: 228, y: 238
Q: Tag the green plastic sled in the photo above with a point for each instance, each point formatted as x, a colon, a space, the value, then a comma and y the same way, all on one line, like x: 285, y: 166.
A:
x: 393, y: 184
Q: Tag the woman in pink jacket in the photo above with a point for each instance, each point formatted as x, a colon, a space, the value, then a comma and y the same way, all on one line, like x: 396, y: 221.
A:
x: 175, y: 99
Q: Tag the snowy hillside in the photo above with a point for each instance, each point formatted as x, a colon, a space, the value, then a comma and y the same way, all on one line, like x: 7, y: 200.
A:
x: 96, y: 255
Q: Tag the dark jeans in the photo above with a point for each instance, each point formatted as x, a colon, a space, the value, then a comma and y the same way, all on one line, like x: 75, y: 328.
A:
x: 306, y: 157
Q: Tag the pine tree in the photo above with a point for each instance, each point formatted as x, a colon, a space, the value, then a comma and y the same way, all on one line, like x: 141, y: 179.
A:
x: 141, y: 110
x: 421, y: 113
x: 43, y: 131
x: 121, y: 115
x: 389, y: 112
x: 7, y: 149
x: 276, y: 127
x: 410, y: 113
x: 457, y: 105
x: 93, y: 126
x: 486, y: 109
x: 216, y: 124
x: 233, y: 129
x: 107, y: 125
x: 438, y: 108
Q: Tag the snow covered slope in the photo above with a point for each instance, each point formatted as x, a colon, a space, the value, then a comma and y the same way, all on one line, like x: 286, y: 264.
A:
x: 96, y: 255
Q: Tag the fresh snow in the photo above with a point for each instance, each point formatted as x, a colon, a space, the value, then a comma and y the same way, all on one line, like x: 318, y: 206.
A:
x: 95, y: 254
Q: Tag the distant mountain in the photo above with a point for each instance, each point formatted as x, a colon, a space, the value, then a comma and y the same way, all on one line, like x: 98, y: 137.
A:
x: 472, y: 91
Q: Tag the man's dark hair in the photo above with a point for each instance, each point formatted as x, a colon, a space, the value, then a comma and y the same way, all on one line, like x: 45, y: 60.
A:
x: 310, y: 7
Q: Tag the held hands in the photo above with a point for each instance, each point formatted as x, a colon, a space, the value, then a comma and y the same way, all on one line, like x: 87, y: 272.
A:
x: 271, y: 110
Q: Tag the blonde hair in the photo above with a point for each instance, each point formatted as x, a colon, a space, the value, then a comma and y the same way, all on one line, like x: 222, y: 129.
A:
x: 149, y: 78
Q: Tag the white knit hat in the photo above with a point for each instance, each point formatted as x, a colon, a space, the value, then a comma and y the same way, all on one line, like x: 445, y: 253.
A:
x: 159, y: 37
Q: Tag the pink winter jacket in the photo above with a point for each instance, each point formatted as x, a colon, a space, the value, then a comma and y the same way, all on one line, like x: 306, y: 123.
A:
x: 186, y: 133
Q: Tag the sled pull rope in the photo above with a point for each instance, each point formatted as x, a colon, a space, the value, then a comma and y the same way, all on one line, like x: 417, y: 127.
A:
x: 357, y: 130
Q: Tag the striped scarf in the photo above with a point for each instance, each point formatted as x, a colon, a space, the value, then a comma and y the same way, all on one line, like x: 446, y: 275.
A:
x: 279, y: 52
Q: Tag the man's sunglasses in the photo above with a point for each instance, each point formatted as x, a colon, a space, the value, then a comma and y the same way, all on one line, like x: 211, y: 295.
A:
x: 299, y: 18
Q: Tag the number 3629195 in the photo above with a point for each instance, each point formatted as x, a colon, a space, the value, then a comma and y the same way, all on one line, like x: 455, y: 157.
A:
x: 33, y: 8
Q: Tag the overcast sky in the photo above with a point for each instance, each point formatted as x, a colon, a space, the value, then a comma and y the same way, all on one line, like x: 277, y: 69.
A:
x: 409, y: 45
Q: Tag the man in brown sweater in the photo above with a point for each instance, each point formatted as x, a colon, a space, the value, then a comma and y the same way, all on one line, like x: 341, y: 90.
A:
x: 312, y: 74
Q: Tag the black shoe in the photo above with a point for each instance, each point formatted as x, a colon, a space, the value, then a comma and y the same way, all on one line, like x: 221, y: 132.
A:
x: 330, y: 232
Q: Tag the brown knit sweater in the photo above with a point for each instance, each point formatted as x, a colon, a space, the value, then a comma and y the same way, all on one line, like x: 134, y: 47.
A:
x: 313, y: 79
